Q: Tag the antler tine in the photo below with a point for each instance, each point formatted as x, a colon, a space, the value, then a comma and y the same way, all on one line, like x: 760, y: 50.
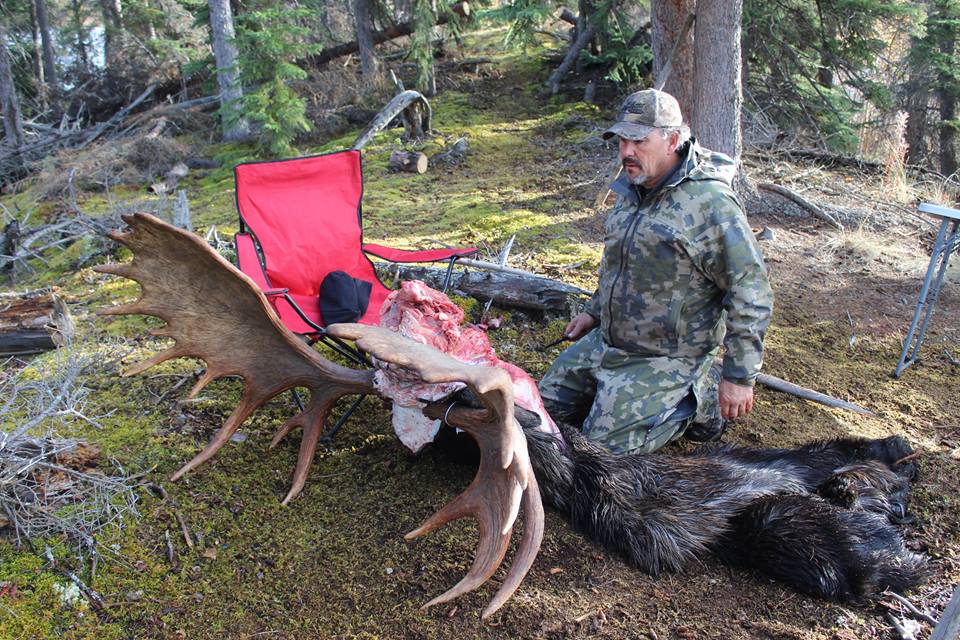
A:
x: 214, y: 312
x: 504, y: 482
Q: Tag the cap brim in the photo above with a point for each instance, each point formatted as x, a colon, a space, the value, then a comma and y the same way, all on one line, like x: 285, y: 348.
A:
x: 628, y: 130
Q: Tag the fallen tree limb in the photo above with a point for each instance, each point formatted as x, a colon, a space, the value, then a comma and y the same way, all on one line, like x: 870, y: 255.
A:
x: 118, y: 116
x: 806, y: 204
x: 461, y: 9
x: 585, y: 32
x: 779, y: 384
x: 417, y: 117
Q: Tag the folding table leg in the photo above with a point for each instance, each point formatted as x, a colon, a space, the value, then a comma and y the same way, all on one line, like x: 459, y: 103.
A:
x: 942, y: 248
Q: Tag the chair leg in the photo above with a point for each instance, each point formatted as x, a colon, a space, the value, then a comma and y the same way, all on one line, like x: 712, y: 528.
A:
x: 297, y: 399
x: 327, y: 438
x: 446, y: 279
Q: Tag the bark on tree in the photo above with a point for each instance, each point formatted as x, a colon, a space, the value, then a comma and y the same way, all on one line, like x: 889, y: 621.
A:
x: 918, y: 100
x: 369, y: 62
x: 36, y: 48
x: 718, y: 94
x: 81, y: 45
x: 667, y: 18
x: 228, y: 72
x: 49, y: 70
x: 948, y: 108
x: 113, y: 28
x: 10, y: 107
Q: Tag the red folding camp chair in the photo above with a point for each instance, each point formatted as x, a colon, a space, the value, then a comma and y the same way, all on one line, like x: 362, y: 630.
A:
x: 300, y: 220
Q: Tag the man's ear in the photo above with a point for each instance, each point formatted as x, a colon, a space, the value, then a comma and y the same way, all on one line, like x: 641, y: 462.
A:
x: 674, y: 141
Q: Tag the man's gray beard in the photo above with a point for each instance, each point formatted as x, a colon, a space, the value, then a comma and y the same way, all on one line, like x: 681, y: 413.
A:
x: 638, y: 180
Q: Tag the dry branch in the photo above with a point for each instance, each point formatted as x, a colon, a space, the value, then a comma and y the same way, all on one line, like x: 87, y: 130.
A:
x: 41, y: 473
x: 416, y: 114
x: 806, y: 204
x: 461, y: 9
x: 779, y: 384
x: 585, y: 33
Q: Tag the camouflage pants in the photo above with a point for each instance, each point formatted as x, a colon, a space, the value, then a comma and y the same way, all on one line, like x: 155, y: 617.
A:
x: 628, y: 402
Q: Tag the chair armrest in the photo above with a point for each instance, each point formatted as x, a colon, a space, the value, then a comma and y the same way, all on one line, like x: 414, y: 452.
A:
x: 404, y: 255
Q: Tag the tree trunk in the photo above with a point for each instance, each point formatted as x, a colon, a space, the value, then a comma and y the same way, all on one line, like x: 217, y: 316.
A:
x: 369, y: 63
x: 228, y: 73
x: 49, y: 70
x: 917, y: 104
x: 81, y: 45
x: 113, y: 28
x: 948, y: 89
x: 9, y: 106
x: 36, y: 48
x: 667, y: 18
x: 717, y: 90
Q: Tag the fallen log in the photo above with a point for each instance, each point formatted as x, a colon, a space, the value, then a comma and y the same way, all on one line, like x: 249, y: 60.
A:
x: 414, y: 111
x: 503, y: 288
x: 409, y: 161
x: 806, y: 204
x: 33, y: 322
x: 461, y: 9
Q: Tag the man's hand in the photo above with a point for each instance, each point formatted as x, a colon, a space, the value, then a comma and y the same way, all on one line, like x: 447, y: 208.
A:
x: 580, y: 325
x: 736, y: 400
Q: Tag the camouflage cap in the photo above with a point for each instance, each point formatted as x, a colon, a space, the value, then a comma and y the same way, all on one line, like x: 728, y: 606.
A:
x: 644, y: 111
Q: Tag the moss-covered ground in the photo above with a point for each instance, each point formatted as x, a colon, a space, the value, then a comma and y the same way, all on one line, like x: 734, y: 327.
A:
x: 334, y: 564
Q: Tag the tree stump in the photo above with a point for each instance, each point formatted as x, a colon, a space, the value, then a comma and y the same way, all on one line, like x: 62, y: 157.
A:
x: 409, y: 161
x: 33, y: 322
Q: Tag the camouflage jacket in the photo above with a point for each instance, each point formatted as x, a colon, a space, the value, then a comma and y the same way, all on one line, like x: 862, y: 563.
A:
x: 681, y: 267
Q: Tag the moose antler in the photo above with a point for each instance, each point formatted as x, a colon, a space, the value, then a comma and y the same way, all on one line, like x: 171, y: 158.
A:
x: 504, y: 481
x: 214, y: 312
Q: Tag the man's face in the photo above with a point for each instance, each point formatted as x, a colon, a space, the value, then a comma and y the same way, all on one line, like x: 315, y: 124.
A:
x: 648, y: 160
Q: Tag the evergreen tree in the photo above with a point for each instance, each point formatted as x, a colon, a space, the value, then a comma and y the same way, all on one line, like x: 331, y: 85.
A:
x: 810, y: 63
x: 934, y: 58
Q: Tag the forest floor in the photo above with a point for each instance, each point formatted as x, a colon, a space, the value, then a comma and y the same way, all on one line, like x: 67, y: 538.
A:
x: 334, y: 564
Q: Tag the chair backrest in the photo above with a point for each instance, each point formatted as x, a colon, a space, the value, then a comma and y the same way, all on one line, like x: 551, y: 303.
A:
x: 305, y: 215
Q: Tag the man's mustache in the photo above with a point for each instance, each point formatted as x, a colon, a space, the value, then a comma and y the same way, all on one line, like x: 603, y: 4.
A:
x: 630, y: 162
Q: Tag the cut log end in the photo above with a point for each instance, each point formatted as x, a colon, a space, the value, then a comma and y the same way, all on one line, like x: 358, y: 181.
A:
x: 409, y: 161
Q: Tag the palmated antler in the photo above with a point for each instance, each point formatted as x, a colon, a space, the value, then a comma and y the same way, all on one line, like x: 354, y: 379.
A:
x: 504, y: 482
x: 216, y: 313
